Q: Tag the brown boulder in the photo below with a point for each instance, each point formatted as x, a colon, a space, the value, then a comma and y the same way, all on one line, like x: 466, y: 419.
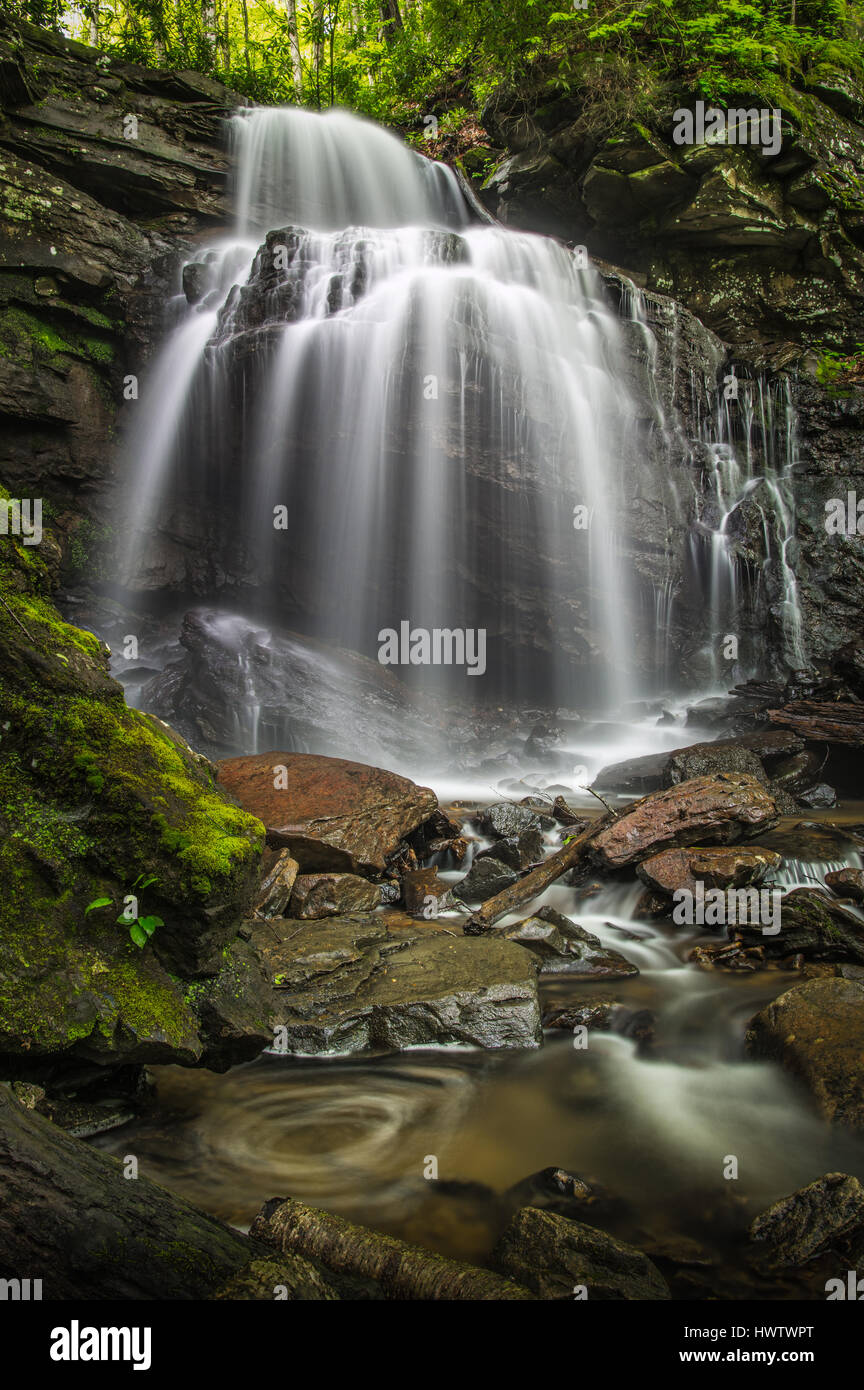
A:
x: 330, y: 813
x: 816, y: 1032
x: 847, y: 883
x: 823, y: 721
x: 719, y: 810
x: 715, y: 868
x: 332, y: 895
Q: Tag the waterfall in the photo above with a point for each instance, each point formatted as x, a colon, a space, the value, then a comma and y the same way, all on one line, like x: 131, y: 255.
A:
x: 383, y: 413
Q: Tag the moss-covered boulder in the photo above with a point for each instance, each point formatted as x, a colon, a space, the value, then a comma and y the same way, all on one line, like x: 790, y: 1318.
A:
x: 102, y: 804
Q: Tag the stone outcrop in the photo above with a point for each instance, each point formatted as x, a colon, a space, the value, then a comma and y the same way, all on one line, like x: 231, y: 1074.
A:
x: 553, y: 1256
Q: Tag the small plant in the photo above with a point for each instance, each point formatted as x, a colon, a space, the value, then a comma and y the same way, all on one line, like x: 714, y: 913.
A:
x: 140, y: 928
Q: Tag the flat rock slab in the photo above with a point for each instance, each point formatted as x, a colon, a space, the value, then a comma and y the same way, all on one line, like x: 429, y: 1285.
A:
x: 333, y: 815
x: 816, y: 1032
x: 361, y: 982
x: 716, y: 810
x: 823, y: 721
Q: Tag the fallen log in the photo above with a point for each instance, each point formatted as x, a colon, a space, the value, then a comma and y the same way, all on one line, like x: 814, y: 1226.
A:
x: 823, y: 721
x: 73, y: 1220
x: 403, y: 1271
x: 533, y: 883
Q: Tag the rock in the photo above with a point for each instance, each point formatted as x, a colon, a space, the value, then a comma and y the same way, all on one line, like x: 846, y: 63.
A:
x: 799, y: 772
x: 847, y: 883
x: 277, y: 884
x: 715, y: 868
x: 718, y: 810
x: 835, y: 722
x: 352, y: 983
x: 553, y: 1256
x: 517, y: 851
x: 656, y: 770
x: 605, y: 1014
x: 485, y: 878
x: 565, y: 946
x: 424, y: 893
x: 505, y: 820
x: 812, y: 925
x: 818, y: 797
x: 816, y: 1032
x: 333, y: 815
x: 332, y: 895
x: 563, y: 814
x: 818, y: 1217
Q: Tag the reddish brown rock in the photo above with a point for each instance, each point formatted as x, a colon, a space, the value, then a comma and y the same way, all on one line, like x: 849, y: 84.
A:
x: 330, y: 813
x: 717, y: 810
x: 332, y: 895
x: 715, y: 868
x: 847, y: 883
x: 277, y: 884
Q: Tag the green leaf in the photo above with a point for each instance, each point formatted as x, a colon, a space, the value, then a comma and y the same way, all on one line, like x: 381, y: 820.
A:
x: 149, y: 924
x: 97, y: 902
x: 137, y: 935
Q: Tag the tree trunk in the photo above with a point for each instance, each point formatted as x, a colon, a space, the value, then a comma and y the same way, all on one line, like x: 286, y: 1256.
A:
x: 294, y: 40
x: 71, y: 1218
x: 391, y: 19
x: 403, y: 1271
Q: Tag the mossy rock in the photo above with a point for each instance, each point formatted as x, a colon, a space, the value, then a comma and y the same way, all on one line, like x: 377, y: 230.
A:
x: 93, y: 796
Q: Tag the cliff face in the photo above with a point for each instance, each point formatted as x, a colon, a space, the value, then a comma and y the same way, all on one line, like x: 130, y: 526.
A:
x: 105, y: 169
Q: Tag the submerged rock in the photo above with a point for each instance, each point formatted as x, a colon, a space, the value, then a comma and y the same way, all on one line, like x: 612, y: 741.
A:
x: 357, y: 982
x: 605, y: 1014
x: 333, y: 815
x: 812, y: 1220
x: 556, y: 1258
x: 719, y: 810
x: 565, y: 946
x: 816, y: 1032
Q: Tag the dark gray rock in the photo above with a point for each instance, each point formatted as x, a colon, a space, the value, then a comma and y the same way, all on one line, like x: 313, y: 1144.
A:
x: 555, y: 1257
x: 814, y: 1219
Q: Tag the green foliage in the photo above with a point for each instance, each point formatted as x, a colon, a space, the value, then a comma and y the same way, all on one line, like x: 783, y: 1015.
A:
x: 140, y: 928
x: 839, y: 371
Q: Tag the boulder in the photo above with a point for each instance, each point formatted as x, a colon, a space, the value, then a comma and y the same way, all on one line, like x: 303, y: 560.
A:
x: 812, y: 925
x: 816, y: 1218
x: 332, y: 895
x: 657, y: 770
x: 277, y: 884
x: 505, y: 819
x: 816, y: 1032
x: 373, y: 981
x: 333, y: 815
x: 718, y: 810
x: 517, y: 851
x: 603, y: 1013
x: 554, y: 1257
x: 715, y: 868
x: 832, y: 721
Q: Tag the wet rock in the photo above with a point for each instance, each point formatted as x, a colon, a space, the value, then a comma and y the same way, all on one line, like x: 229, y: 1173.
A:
x: 485, y: 878
x: 847, y: 883
x: 718, y: 810
x: 332, y: 895
x: 799, y: 772
x: 604, y: 1014
x: 812, y: 926
x: 565, y: 946
x: 505, y: 820
x: 353, y: 983
x: 552, y: 1256
x: 657, y: 770
x: 816, y: 1032
x: 562, y: 1192
x: 277, y: 884
x: 564, y: 815
x: 814, y: 1219
x: 819, y: 797
x: 517, y: 851
x: 333, y: 815
x: 715, y: 868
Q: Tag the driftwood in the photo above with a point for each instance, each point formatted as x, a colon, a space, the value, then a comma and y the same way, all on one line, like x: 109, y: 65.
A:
x: 403, y: 1271
x: 533, y: 883
x: 71, y: 1219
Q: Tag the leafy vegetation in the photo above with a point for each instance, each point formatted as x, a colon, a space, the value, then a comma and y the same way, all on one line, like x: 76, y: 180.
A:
x: 141, y: 927
x: 397, y: 59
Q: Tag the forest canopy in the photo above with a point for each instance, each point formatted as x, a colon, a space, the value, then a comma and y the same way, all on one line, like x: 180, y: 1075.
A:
x: 391, y: 58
